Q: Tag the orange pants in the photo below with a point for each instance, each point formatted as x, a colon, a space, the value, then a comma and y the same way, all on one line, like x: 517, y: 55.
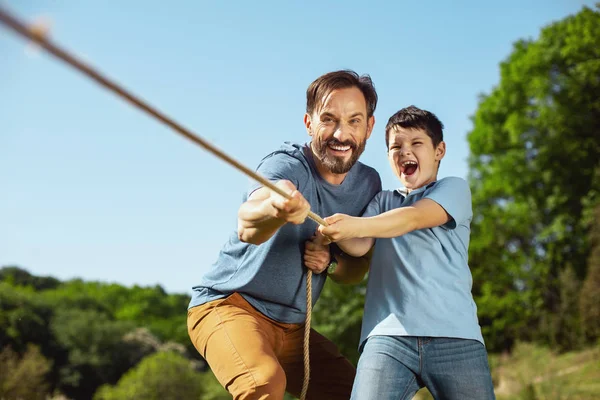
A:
x: 255, y: 357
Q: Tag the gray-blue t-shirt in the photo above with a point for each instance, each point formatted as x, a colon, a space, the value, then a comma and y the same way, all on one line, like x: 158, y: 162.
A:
x: 271, y: 276
x: 420, y: 283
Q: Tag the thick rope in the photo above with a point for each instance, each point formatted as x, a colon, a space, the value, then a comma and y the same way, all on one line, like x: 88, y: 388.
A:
x: 39, y: 36
x: 307, y: 335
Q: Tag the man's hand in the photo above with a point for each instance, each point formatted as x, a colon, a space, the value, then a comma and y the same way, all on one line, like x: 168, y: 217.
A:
x: 340, y: 227
x: 293, y: 210
x: 316, y: 254
x: 265, y: 212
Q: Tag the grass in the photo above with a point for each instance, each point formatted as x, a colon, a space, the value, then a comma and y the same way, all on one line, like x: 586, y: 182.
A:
x: 532, y: 372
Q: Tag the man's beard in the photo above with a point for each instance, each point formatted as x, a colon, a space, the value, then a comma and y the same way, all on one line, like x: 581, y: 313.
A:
x: 338, y: 165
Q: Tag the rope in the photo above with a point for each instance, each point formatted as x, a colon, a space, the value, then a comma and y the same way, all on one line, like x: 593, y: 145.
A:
x: 307, y: 335
x: 39, y: 36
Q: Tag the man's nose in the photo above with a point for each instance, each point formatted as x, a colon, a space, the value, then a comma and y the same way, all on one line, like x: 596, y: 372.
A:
x: 342, y: 133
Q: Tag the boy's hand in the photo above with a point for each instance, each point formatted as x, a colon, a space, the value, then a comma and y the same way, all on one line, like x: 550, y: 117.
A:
x: 341, y: 227
x: 316, y: 253
x: 293, y: 210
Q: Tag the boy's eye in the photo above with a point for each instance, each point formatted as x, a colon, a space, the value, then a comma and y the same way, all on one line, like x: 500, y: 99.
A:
x: 417, y: 143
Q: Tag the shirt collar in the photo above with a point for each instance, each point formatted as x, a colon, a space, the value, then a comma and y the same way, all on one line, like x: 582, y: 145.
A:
x: 404, y: 192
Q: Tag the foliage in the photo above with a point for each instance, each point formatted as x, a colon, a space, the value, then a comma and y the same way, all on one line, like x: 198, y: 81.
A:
x: 338, y: 316
x: 23, y: 377
x: 90, y: 330
x: 589, y: 303
x: 535, y: 176
x: 160, y: 376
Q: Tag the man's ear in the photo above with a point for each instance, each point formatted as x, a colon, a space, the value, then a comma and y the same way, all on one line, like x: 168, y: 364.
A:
x: 440, y: 151
x: 308, y: 124
x: 370, y: 125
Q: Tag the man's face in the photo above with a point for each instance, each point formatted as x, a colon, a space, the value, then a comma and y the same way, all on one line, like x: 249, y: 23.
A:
x: 339, y: 129
x: 413, y: 157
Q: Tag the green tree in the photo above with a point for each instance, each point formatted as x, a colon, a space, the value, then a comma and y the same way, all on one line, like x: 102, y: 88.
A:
x: 151, y: 307
x: 23, y: 319
x: 564, y: 327
x: 589, y: 301
x: 160, y: 376
x: 95, y: 348
x: 338, y: 316
x: 23, y: 377
x: 90, y: 330
x: 19, y: 277
x: 535, y: 175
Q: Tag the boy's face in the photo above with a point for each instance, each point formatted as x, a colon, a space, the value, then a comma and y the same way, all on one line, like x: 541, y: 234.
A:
x: 413, y: 157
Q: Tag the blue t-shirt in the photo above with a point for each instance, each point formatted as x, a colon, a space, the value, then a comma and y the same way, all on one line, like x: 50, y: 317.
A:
x: 271, y: 276
x: 420, y: 283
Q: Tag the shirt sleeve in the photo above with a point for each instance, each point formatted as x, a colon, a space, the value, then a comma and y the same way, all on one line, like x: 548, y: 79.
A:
x: 454, y: 195
x: 374, y: 207
x: 278, y: 166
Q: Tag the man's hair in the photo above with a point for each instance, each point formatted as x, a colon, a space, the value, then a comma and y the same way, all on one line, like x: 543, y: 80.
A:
x: 414, y: 118
x: 343, y: 79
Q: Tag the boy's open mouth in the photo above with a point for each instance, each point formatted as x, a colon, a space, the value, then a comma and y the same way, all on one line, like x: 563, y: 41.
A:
x: 409, y: 167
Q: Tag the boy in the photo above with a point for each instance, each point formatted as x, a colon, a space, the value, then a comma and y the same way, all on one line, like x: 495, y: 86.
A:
x: 420, y: 324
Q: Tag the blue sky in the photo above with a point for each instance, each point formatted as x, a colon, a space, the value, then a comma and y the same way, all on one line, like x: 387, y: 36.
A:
x: 92, y: 188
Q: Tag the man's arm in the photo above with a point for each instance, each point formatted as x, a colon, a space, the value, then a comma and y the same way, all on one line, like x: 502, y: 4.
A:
x: 266, y: 211
x: 348, y: 269
x: 351, y: 270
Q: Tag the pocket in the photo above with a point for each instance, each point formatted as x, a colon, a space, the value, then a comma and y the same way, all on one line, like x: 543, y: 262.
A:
x: 196, y: 314
x: 199, y: 324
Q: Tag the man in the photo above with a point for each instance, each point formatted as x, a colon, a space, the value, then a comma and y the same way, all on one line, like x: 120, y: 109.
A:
x: 246, y: 316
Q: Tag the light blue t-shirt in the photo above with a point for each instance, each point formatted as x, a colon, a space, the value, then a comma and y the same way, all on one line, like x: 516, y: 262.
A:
x: 420, y: 283
x: 271, y: 276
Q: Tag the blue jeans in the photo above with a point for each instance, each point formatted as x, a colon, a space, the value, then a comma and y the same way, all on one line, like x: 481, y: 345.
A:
x: 396, y: 367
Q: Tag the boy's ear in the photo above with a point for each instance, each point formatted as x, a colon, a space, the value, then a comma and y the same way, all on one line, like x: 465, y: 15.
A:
x: 440, y: 151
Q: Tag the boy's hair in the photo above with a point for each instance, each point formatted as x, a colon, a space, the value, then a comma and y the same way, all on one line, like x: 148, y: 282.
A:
x: 414, y: 118
x: 343, y: 79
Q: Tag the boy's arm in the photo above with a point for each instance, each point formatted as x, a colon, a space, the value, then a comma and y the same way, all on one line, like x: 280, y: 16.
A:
x: 425, y: 213
x: 356, y: 247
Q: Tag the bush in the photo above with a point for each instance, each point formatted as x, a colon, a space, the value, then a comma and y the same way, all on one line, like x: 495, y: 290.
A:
x: 160, y: 376
x: 23, y: 377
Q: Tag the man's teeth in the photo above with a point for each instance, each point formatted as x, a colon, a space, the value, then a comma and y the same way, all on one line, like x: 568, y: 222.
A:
x: 339, y: 148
